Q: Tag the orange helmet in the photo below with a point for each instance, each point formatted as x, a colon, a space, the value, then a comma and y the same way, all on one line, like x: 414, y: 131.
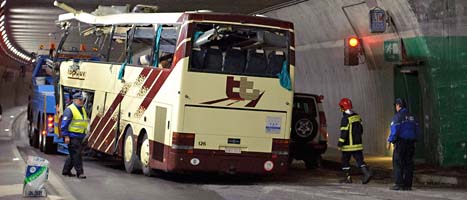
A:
x: 345, y: 104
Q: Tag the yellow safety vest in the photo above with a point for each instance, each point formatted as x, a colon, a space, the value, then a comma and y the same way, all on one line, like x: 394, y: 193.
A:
x: 79, y: 123
x: 351, y: 146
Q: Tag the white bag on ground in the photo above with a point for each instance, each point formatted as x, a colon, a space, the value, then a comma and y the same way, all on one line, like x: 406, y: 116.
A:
x: 37, y: 172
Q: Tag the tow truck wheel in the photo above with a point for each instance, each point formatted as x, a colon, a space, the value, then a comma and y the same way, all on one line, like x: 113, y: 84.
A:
x: 35, y: 138
x: 130, y: 158
x: 49, y: 147
x: 41, y: 142
x: 145, y: 157
x: 30, y: 135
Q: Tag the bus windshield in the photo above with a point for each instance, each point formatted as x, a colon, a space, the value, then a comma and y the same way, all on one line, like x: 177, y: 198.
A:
x: 240, y: 50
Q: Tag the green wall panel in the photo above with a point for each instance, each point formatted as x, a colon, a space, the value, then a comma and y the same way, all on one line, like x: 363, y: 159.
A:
x: 443, y: 78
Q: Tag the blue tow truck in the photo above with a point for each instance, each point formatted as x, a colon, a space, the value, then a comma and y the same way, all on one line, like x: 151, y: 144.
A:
x: 43, y: 127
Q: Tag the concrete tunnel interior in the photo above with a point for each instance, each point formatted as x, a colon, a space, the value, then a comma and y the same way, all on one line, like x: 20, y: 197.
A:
x: 433, y: 35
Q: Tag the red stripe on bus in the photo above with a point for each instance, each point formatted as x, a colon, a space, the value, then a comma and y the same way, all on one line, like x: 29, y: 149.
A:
x: 216, y: 101
x: 154, y: 90
x: 93, y: 125
x: 98, y: 140
x: 118, y: 99
x: 115, y: 103
x: 152, y: 77
x: 107, y: 115
x: 100, y: 135
x: 107, y: 141
x: 254, y: 102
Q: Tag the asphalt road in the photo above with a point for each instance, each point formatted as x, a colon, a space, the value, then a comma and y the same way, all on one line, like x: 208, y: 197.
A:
x: 108, y: 180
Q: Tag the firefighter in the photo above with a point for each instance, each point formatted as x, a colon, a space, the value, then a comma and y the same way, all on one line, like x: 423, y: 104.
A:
x: 350, y: 142
x: 404, y: 132
x: 74, y: 127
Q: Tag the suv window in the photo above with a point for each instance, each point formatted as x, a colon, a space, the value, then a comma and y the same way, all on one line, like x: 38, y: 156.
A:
x: 305, y: 105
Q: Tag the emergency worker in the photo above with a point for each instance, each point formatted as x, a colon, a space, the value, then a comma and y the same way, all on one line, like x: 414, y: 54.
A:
x: 74, y: 129
x: 404, y: 132
x: 350, y: 142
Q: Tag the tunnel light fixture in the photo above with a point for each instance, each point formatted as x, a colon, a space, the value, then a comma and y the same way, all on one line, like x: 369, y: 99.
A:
x: 3, y: 4
x: 2, y: 28
x: 4, y: 37
x: 2, y: 23
x: 2, y: 17
x: 32, y: 17
x: 4, y: 32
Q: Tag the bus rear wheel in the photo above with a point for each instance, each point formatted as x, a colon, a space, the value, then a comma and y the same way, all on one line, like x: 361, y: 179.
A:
x: 130, y: 158
x: 145, y: 157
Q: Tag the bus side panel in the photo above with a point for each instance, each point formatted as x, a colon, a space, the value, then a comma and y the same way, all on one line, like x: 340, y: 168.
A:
x: 161, y: 131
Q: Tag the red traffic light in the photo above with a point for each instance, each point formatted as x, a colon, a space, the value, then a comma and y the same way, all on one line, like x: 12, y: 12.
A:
x: 353, y: 42
x: 352, y: 49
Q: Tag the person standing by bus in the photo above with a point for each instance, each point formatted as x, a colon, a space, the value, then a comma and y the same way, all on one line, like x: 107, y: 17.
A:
x: 74, y: 126
x: 350, y: 142
x: 404, y: 132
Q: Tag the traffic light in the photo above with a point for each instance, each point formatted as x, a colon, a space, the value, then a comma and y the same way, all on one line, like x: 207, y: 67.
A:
x: 352, y: 49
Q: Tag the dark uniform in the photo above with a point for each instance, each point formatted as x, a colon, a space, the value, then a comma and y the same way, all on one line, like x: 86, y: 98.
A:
x: 74, y: 125
x: 350, y: 143
x: 404, y: 132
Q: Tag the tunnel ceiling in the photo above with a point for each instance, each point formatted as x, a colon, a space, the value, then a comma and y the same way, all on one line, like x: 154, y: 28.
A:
x: 31, y: 23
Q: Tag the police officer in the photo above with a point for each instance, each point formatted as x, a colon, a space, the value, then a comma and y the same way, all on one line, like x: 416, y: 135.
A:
x: 350, y: 142
x: 404, y: 132
x: 74, y: 126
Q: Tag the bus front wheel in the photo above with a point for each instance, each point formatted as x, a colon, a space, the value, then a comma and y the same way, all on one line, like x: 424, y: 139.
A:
x: 130, y: 158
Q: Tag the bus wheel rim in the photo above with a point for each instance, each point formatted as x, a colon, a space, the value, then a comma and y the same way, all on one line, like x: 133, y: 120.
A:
x: 145, y: 152
x: 128, y: 149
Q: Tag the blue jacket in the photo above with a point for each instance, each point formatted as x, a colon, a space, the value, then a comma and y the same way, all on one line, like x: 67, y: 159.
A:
x: 404, y: 126
x: 67, y: 117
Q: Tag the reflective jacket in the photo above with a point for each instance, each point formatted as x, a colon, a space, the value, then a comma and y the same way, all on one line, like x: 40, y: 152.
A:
x: 403, y: 126
x: 79, y: 121
x: 351, y: 133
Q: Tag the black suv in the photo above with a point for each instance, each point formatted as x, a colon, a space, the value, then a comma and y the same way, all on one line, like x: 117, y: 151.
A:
x: 308, y: 139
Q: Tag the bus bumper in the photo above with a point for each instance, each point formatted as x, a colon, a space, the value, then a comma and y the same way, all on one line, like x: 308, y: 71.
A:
x: 222, y: 162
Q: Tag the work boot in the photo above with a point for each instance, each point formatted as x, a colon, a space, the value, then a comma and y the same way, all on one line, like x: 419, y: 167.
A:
x: 395, y: 187
x: 367, y: 175
x: 68, y: 174
x: 347, y: 178
x: 81, y: 176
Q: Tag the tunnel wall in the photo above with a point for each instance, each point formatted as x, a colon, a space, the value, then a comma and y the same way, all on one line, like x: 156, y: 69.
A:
x: 433, y: 32
x: 320, y: 27
x: 14, y: 89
